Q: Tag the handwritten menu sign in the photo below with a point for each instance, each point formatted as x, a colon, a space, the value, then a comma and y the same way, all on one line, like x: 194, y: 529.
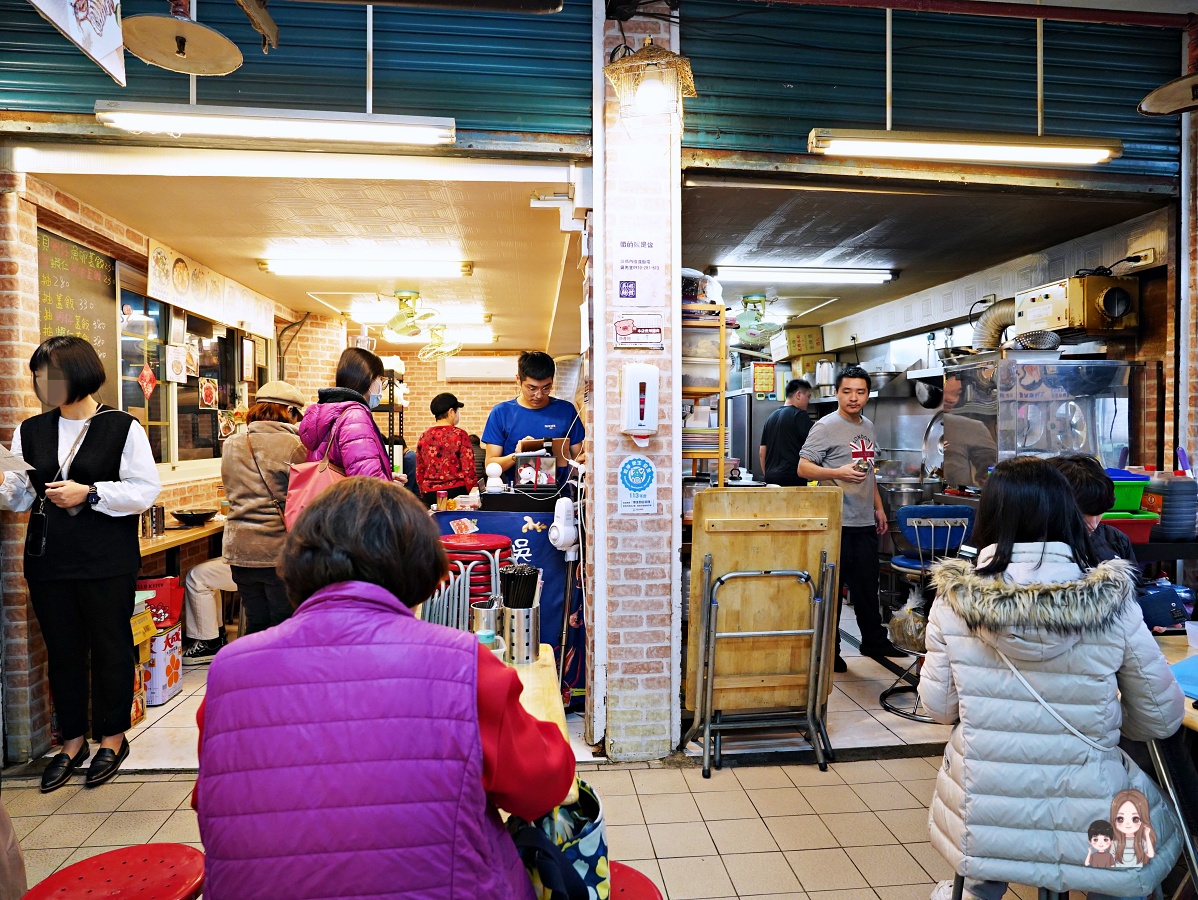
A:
x: 77, y: 289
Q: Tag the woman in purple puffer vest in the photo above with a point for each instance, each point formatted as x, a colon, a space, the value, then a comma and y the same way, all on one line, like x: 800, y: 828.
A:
x: 354, y: 751
x: 342, y: 414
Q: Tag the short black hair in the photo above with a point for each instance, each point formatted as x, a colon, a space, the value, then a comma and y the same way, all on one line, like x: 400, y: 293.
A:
x: 357, y: 369
x: 1101, y: 827
x: 442, y: 404
x: 1092, y: 486
x: 76, y: 359
x: 535, y: 366
x: 1027, y: 501
x: 854, y: 372
x: 476, y: 440
x: 797, y: 384
x: 364, y: 529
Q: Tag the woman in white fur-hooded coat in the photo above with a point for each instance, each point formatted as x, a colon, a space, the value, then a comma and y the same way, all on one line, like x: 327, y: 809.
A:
x: 1018, y: 792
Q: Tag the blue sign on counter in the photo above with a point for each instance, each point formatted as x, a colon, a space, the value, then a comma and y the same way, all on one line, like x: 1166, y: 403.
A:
x: 530, y: 545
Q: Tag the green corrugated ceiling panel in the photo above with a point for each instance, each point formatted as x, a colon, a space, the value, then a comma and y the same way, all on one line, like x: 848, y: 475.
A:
x: 767, y: 75
x: 490, y: 71
x: 40, y: 70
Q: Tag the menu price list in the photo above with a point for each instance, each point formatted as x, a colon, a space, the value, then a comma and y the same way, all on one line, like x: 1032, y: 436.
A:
x: 77, y: 293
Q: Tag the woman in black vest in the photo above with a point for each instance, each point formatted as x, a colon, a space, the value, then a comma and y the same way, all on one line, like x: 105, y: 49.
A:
x: 92, y: 475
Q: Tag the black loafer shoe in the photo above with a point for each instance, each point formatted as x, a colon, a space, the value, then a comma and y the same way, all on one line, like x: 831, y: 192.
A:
x: 839, y: 665
x: 106, y: 764
x: 62, y: 767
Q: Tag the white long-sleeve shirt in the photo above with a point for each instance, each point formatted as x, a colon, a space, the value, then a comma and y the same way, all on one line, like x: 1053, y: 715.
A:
x: 132, y: 495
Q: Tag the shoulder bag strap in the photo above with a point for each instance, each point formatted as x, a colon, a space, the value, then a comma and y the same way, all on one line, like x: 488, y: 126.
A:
x: 328, y: 450
x: 266, y: 484
x: 79, y: 441
x: 1049, y: 709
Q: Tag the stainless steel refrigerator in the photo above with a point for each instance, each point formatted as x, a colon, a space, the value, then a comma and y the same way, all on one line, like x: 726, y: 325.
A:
x: 746, y: 421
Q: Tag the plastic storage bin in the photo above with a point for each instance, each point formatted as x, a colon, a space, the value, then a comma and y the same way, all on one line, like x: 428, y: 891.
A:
x: 1129, y: 489
x: 1137, y: 526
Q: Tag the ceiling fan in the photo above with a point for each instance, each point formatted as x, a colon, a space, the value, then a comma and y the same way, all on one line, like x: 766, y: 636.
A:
x: 753, y: 330
x: 438, y: 347
x: 410, y: 319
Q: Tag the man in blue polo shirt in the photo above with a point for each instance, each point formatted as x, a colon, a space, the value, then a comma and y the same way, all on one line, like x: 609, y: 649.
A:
x: 532, y: 415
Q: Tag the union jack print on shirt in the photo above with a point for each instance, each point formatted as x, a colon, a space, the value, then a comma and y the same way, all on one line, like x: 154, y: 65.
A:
x: 863, y: 448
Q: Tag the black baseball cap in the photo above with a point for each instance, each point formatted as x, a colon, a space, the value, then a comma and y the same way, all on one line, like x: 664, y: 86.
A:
x: 443, y: 403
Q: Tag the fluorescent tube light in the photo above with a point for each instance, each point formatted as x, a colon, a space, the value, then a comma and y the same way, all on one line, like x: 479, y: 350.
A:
x: 799, y: 275
x: 963, y: 147
x: 279, y: 124
x: 367, y: 268
x: 371, y: 312
x: 461, y: 334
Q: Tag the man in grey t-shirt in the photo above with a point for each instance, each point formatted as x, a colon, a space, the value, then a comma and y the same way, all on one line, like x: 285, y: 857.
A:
x: 839, y: 452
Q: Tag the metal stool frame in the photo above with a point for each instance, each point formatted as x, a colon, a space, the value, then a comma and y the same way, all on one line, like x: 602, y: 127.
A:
x: 809, y: 720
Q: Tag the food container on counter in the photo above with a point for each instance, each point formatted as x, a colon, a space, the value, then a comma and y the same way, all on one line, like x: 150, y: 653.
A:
x: 1137, y: 526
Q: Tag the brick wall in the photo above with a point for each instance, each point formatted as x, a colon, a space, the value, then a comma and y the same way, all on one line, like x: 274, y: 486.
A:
x: 311, y: 359
x: 640, y: 177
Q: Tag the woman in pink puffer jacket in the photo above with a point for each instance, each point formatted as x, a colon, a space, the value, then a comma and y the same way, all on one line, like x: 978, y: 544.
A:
x: 358, y: 447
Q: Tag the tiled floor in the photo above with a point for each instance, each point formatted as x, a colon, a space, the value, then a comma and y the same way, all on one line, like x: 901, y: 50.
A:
x: 856, y: 832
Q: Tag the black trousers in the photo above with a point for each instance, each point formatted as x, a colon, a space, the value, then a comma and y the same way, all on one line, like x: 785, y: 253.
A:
x: 263, y: 596
x: 79, y: 618
x: 859, y: 573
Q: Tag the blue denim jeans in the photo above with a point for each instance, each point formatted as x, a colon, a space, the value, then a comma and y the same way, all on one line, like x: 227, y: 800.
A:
x: 994, y: 890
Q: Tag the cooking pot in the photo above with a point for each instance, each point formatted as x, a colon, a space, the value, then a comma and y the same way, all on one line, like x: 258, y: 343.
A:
x: 826, y: 371
x: 929, y: 394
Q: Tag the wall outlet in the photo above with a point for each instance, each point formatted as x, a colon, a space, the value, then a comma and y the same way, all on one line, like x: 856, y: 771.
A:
x: 1147, y: 258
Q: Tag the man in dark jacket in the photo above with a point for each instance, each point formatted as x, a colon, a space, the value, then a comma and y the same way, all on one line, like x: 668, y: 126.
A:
x: 783, y: 436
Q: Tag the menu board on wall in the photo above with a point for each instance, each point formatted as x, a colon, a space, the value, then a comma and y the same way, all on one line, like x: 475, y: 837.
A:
x: 77, y: 294
x: 181, y: 281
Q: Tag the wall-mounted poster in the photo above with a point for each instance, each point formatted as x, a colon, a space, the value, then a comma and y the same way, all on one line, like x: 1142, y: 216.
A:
x: 181, y: 281
x: 248, y: 372
x: 226, y: 424
x: 176, y: 364
x: 191, y: 359
x: 209, y: 393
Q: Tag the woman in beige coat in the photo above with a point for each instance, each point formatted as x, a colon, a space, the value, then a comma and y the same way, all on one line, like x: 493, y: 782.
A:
x: 255, y: 467
x: 1040, y: 658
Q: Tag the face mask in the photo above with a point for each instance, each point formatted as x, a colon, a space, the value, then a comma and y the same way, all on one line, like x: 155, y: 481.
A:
x: 374, y: 400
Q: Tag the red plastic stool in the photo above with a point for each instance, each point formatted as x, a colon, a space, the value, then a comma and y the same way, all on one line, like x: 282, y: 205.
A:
x: 148, y: 871
x: 628, y: 882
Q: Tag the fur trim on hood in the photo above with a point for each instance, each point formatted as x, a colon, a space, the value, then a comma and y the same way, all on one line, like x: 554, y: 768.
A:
x: 1092, y: 603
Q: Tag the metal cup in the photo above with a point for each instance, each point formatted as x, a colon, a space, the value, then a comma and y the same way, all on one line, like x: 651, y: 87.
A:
x: 522, y: 633
x: 485, y: 615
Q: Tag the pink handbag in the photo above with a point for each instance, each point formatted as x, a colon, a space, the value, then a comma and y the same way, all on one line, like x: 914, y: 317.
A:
x: 308, y: 480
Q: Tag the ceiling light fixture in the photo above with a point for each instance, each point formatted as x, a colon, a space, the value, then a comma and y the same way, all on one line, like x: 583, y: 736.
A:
x: 367, y: 268
x: 650, y: 82
x: 276, y: 124
x: 962, y: 147
x: 371, y: 312
x: 461, y: 334
x: 800, y: 275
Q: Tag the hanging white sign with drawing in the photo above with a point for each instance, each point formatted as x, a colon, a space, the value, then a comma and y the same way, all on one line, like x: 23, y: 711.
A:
x: 94, y: 26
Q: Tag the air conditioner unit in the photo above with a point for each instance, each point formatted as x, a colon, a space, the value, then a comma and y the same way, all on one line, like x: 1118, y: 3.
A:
x: 477, y: 368
x: 1079, y: 307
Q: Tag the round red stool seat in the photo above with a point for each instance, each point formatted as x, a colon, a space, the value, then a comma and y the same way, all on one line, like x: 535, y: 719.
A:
x: 148, y: 872
x: 628, y: 882
x: 475, y: 542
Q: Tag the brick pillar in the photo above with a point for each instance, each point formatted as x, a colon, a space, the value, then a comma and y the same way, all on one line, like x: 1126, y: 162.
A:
x: 637, y: 575
x: 26, y: 699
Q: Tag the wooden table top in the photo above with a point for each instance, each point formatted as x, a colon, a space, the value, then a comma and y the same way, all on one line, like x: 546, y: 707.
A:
x: 1176, y: 648
x: 542, y: 697
x: 177, y: 537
